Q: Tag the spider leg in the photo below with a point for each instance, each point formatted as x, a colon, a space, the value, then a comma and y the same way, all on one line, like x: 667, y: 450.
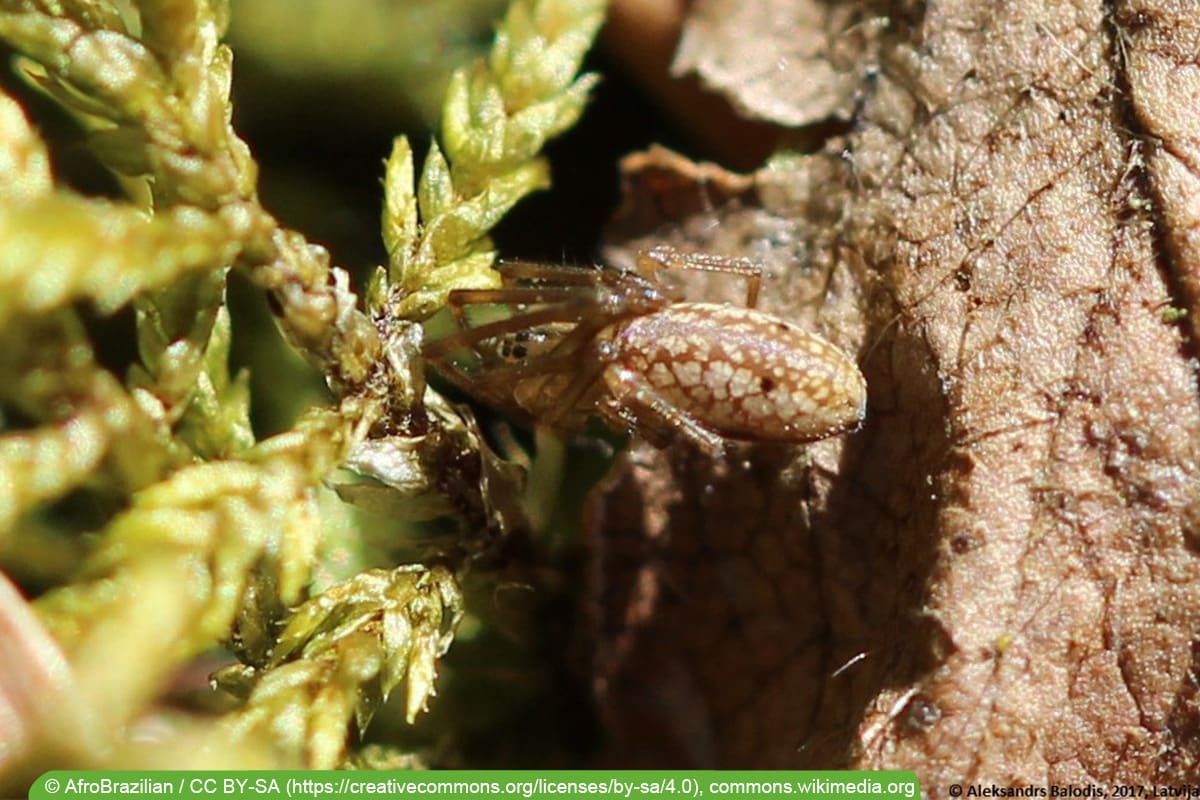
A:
x: 495, y: 386
x: 459, y: 299
x: 517, y: 270
x: 664, y: 256
x: 467, y: 337
x: 625, y: 296
x: 515, y: 295
x: 476, y: 386
x: 564, y: 357
x: 582, y: 381
x: 636, y: 404
x: 555, y: 275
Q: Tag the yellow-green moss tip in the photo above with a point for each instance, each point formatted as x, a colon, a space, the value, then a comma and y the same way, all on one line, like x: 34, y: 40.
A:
x: 343, y: 652
x: 497, y: 117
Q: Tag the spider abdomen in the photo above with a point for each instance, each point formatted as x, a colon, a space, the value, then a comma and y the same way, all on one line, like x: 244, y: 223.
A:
x: 739, y: 373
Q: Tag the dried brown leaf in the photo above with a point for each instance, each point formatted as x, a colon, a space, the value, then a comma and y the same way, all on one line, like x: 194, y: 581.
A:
x: 997, y: 580
x: 642, y: 36
x: 790, y: 62
x: 1159, y: 43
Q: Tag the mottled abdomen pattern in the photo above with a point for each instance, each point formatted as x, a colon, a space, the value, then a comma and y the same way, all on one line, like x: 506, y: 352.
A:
x: 743, y: 374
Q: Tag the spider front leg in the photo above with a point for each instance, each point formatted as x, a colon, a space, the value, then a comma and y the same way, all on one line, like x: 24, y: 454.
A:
x: 635, y: 404
x: 664, y: 256
x: 555, y: 274
x: 556, y: 295
x: 554, y: 305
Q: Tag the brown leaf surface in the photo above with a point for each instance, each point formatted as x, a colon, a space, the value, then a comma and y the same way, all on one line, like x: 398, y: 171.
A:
x: 791, y: 62
x: 997, y: 579
x: 642, y: 35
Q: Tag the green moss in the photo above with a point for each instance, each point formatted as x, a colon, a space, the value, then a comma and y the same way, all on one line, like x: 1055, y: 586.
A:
x: 198, y: 535
x: 497, y: 116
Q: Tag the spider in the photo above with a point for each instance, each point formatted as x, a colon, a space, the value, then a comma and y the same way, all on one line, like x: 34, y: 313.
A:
x: 622, y: 345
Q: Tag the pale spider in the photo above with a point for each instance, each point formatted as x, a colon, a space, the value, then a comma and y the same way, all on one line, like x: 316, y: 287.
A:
x: 621, y: 345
